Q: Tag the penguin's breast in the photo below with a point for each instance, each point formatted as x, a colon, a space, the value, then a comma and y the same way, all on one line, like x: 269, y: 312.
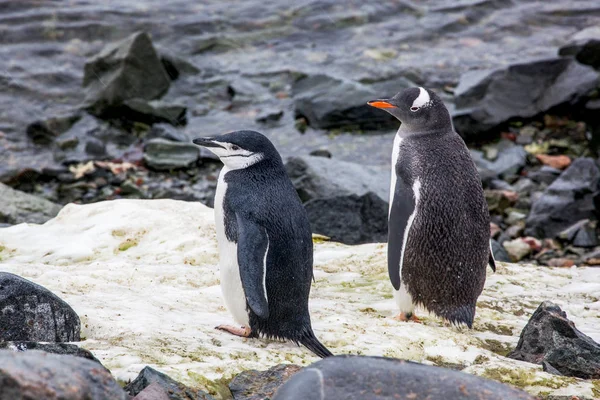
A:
x: 231, y: 283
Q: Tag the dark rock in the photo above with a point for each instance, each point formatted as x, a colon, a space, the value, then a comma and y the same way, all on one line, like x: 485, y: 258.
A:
x: 38, y: 375
x: 500, y: 253
x: 349, y: 219
x: 511, y: 159
x: 551, y: 337
x: 54, y: 348
x: 31, y: 312
x: 243, y: 91
x: 46, y: 131
x: 259, y: 385
x: 164, y: 154
x: 317, y: 177
x: 150, y: 112
x: 176, y: 66
x: 488, y: 99
x: 329, y: 103
x: 586, y: 236
x: 585, y: 47
x: 95, y: 148
x: 166, y: 131
x: 175, y: 390
x: 360, y: 377
x: 17, y: 207
x: 269, y: 115
x: 592, y: 119
x: 545, y: 175
x: 580, y: 234
x: 129, y: 69
x: 321, y: 153
x: 567, y: 200
x: 546, y: 367
x: 152, y: 392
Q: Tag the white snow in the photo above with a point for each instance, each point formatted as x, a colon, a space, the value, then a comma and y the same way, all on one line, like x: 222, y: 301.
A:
x: 143, y: 277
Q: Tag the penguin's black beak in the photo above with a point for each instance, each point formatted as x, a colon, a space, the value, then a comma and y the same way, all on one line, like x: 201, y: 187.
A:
x: 207, y: 142
x: 383, y: 103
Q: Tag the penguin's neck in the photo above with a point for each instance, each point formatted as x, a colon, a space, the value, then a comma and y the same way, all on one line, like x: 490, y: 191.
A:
x: 409, y: 131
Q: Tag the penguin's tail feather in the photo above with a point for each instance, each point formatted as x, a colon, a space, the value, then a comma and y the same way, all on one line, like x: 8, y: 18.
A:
x: 462, y: 315
x: 309, y: 340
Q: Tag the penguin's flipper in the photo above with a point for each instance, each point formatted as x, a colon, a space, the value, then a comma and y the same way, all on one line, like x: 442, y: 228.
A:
x: 252, y: 249
x: 402, y: 213
x: 492, y: 261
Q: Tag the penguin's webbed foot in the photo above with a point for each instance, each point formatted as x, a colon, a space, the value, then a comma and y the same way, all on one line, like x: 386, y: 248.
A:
x: 243, y: 331
x: 405, y: 317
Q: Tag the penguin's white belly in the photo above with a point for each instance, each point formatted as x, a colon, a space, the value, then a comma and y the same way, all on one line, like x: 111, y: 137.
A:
x: 231, y: 283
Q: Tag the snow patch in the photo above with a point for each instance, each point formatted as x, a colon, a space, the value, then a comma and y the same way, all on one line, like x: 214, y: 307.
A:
x: 143, y: 277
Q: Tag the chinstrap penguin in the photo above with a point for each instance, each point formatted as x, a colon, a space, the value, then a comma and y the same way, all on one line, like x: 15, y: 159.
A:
x: 438, y: 222
x: 265, y: 241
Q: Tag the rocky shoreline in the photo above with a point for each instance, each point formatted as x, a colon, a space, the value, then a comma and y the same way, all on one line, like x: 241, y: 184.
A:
x: 101, y: 105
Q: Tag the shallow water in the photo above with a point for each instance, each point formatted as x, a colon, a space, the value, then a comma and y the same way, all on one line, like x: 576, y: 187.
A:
x: 44, y: 46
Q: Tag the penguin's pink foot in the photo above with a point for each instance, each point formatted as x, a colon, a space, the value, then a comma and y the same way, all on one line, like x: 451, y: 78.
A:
x: 243, y: 331
x: 405, y: 317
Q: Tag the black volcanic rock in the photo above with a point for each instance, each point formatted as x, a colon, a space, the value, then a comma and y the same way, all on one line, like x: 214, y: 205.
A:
x: 129, y: 69
x: 551, y: 338
x: 31, y: 312
x: 570, y: 198
x: 39, y: 375
x: 488, y: 99
x: 361, y: 377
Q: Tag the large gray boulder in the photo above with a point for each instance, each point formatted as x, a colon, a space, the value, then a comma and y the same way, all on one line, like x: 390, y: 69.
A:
x: 551, y: 339
x: 361, y: 377
x: 569, y: 199
x: 584, y: 46
x: 129, y: 69
x: 30, y: 312
x: 17, y: 207
x: 317, y: 177
x: 488, y: 99
x: 329, y: 103
x: 350, y: 219
x: 347, y: 202
x: 39, y: 375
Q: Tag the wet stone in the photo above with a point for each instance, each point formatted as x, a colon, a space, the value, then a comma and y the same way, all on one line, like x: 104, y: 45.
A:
x: 36, y: 374
x: 551, y: 337
x: 175, y: 390
x: 30, y: 312
x: 259, y: 385
x: 361, y: 377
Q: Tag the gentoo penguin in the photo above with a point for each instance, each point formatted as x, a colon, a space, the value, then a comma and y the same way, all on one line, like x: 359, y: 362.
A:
x: 265, y: 241
x: 438, y: 222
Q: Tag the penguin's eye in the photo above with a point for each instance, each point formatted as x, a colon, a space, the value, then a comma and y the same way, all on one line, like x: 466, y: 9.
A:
x: 234, y: 147
x: 413, y: 109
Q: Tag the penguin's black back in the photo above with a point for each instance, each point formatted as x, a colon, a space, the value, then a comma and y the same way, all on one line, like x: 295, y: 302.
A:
x: 264, y: 194
x: 448, y: 244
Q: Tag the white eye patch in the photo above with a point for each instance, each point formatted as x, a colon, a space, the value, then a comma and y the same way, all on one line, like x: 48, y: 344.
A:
x: 235, y: 157
x: 423, y: 100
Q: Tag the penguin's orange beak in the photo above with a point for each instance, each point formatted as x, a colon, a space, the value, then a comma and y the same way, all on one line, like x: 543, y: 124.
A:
x: 380, y: 104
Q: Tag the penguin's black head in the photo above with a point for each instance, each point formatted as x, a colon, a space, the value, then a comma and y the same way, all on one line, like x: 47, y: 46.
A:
x: 240, y: 149
x: 419, y: 110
